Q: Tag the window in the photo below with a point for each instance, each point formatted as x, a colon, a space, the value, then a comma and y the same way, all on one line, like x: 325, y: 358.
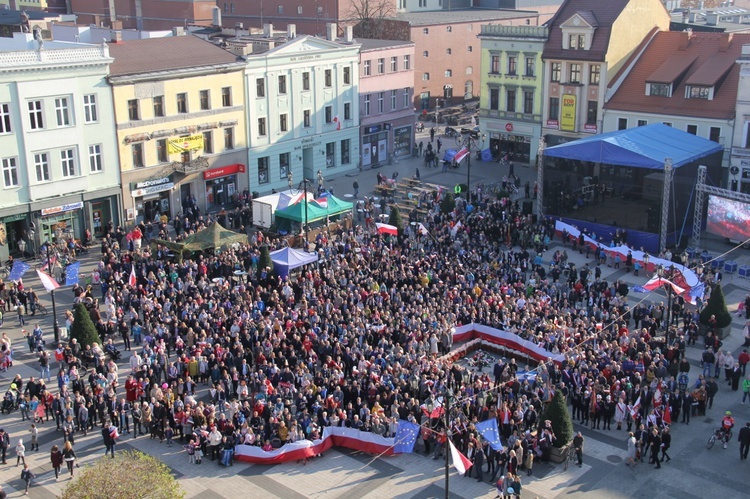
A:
x: 282, y: 84
x: 90, y: 114
x: 699, y: 92
x: 133, y: 112
x: 692, y: 129
x: 68, y: 163
x: 577, y: 42
x: 330, y: 154
x: 328, y: 75
x: 425, y: 31
x: 660, y: 89
x: 95, y: 158
x: 284, y: 123
x: 205, y: 101
x: 306, y: 80
x: 425, y: 76
x: 494, y: 98
x: 208, y: 142
x: 448, y: 29
x: 381, y: 66
x: 299, y: 9
x: 366, y: 110
x: 345, y: 152
x: 394, y: 64
x: 347, y: 110
x: 594, y: 74
x: 470, y: 48
x: 642, y: 122
x: 226, y: 96
x: 622, y: 123
x: 448, y: 73
x: 406, y: 97
x: 511, y: 104
x: 575, y: 73
x: 162, y: 155
x: 182, y: 106
x: 407, y: 62
x: 747, y: 136
x: 306, y: 119
x: 581, y: 42
x: 529, y: 66
x: 512, y: 60
x: 554, y: 108
x: 228, y: 139
x: 262, y: 127
x: 347, y: 76
x: 714, y: 134
x: 36, y: 121
x: 393, y: 100
x: 367, y: 70
x: 5, y: 118
x: 329, y: 114
x: 666, y: 123
x: 41, y: 165
x: 159, y: 106
x: 62, y: 112
x: 137, y: 154
x: 555, y: 71
x: 260, y: 87
x: 381, y: 99
x: 426, y: 53
x: 448, y: 51
x: 10, y: 172
x: 280, y: 9
x: 263, y: 170
x: 284, y: 165
x: 528, y: 102
x: 495, y: 64
x: 319, y: 10
x: 592, y: 112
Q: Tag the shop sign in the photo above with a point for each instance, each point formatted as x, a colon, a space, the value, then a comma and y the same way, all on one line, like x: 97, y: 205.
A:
x: 745, y: 163
x: 62, y: 209
x: 568, y: 116
x: 746, y: 173
x: 183, y: 144
x: 373, y: 129
x: 223, y: 171
x: 149, y: 183
x: 14, y: 218
x: 145, y: 191
x: 553, y: 124
x: 509, y: 127
x: 589, y: 128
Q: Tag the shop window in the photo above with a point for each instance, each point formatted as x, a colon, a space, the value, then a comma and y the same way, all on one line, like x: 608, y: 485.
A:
x: 345, y: 152
x: 205, y: 100
x: 228, y: 138
x: 263, y: 170
x: 159, y: 106
x: 41, y: 165
x: 10, y: 172
x: 36, y: 118
x: 208, y: 142
x: 330, y: 154
x: 283, y: 165
x: 95, y: 158
x: 162, y: 155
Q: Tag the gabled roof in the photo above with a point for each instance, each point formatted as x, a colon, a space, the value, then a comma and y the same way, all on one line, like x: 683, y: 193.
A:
x: 672, y: 68
x: 599, y: 14
x: 166, y: 54
x: 713, y: 56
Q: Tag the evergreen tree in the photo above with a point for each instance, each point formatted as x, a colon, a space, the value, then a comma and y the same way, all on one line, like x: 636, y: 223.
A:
x: 265, y: 260
x: 395, y: 219
x: 448, y: 204
x: 83, y: 329
x: 717, y: 306
x: 557, y: 412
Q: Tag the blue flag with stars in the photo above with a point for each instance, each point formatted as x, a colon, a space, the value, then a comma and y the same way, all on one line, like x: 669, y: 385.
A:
x: 406, y: 437
x: 71, y: 273
x: 488, y: 430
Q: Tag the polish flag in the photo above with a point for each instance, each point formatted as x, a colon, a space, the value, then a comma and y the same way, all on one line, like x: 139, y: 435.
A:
x: 132, y: 280
x: 48, y: 282
x: 635, y: 407
x: 322, y: 202
x: 460, y: 462
x: 386, y: 229
x: 657, y: 282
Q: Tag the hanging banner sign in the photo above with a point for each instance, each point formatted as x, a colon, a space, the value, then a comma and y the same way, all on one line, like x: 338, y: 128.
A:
x: 183, y: 144
x: 568, y: 116
x: 61, y: 209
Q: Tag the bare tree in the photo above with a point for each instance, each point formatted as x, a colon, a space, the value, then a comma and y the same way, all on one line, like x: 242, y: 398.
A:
x: 372, y: 19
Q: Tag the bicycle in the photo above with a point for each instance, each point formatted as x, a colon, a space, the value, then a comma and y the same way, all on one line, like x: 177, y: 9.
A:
x: 719, y: 434
x: 41, y: 309
x: 568, y: 458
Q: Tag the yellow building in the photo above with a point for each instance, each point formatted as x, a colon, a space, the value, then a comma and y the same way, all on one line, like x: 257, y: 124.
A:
x: 179, y: 112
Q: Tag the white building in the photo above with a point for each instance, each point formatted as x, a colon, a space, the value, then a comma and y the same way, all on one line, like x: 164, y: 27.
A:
x: 58, y: 149
x: 302, y: 108
x: 740, y: 160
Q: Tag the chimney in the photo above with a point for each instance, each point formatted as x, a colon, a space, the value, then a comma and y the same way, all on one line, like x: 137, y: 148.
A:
x: 178, y: 31
x: 268, y: 30
x: 291, y: 31
x: 349, y: 34
x: 331, y: 32
x: 116, y: 36
x: 216, y: 17
x: 725, y: 42
x: 691, y: 17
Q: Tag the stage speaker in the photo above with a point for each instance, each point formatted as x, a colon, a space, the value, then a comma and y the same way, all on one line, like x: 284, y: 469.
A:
x: 528, y: 207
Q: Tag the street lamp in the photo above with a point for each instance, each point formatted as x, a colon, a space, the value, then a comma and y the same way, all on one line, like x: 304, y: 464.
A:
x: 447, y: 394
x: 470, y: 139
x: 667, y: 274
x: 55, y: 325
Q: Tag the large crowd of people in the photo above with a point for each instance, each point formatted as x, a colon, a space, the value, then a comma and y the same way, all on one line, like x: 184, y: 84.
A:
x: 358, y: 341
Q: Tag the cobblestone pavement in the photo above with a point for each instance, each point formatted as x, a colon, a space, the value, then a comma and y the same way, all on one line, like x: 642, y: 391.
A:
x: 693, y: 472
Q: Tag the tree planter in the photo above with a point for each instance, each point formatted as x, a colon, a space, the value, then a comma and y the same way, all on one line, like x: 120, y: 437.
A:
x: 721, y: 332
x: 558, y: 455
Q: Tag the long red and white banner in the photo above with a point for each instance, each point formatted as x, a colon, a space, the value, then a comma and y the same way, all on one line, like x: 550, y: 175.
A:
x: 341, y: 437
x: 508, y: 340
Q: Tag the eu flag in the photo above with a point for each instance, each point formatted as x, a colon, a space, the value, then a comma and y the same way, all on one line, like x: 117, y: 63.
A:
x: 71, y: 273
x: 488, y: 430
x: 406, y: 437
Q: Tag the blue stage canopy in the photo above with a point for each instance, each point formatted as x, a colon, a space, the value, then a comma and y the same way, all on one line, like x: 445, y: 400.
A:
x: 640, y: 147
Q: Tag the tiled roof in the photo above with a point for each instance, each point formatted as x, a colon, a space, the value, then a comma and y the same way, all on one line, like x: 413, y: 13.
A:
x: 165, y: 54
x: 601, y: 14
x: 672, y: 68
x: 713, y: 54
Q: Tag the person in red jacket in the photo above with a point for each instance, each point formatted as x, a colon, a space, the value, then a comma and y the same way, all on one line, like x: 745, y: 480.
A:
x: 743, y: 359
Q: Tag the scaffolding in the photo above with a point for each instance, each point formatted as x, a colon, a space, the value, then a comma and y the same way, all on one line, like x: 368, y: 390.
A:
x: 668, y: 171
x: 701, y: 189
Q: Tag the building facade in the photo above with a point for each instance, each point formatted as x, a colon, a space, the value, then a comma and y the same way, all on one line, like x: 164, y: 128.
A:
x: 180, y: 125
x: 589, y: 41
x: 739, y: 170
x: 302, y: 110
x: 58, y: 148
x: 143, y: 14
x: 386, y: 90
x: 512, y: 81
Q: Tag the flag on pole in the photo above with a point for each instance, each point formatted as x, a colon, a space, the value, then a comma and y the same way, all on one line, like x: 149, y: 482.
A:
x: 460, y: 462
x: 386, y: 229
x: 461, y: 154
x: 132, y: 279
x: 656, y: 402
x: 488, y: 430
x: 71, y: 273
x: 19, y: 269
x: 406, y: 437
x: 48, y: 282
x: 657, y: 282
x: 635, y: 408
x: 322, y: 202
x: 667, y: 417
x: 422, y: 229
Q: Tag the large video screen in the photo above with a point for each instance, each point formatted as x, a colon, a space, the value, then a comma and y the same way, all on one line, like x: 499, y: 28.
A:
x: 728, y: 218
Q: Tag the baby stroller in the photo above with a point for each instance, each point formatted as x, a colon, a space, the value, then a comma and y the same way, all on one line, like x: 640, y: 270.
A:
x: 9, y: 403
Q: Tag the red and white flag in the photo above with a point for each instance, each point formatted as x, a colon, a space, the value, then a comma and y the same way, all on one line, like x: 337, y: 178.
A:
x: 635, y: 408
x: 656, y: 402
x: 338, y: 122
x: 322, y: 202
x: 47, y: 281
x: 132, y: 279
x: 386, y: 229
x: 657, y: 282
x: 460, y: 462
x: 422, y: 229
x: 461, y: 154
x: 667, y: 416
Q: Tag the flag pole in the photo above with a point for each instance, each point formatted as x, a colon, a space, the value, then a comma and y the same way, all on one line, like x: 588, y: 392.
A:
x: 55, y: 325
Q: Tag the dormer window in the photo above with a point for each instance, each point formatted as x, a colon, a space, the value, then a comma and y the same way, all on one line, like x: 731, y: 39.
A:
x: 577, y: 42
x: 660, y: 89
x: 698, y: 92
